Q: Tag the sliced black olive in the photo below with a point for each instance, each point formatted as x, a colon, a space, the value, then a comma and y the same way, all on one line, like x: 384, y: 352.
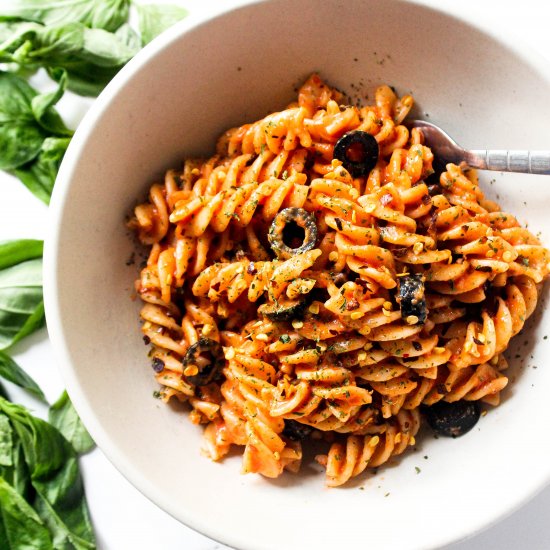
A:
x: 411, y: 298
x: 358, y: 152
x: 158, y: 364
x: 284, y: 310
x: 453, y: 419
x: 297, y: 227
x: 208, y: 356
x: 296, y: 431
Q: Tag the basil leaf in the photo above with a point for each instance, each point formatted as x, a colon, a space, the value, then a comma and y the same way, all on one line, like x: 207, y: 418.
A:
x: 128, y: 36
x: 64, y: 417
x: 86, y: 79
x: 156, y: 18
x: 20, y: 137
x: 39, y: 175
x: 70, y: 528
x: 38, y: 178
x: 87, y: 55
x: 26, y: 118
x: 35, y: 322
x: 103, y: 14
x: 45, y: 115
x: 51, y: 45
x: 19, y: 143
x: 17, y: 474
x: 20, y: 526
x: 71, y: 44
x: 55, y: 476
x: 15, y: 99
x: 14, y: 252
x: 18, y: 43
x: 6, y: 441
x: 11, y: 371
x: 21, y: 304
x: 105, y: 49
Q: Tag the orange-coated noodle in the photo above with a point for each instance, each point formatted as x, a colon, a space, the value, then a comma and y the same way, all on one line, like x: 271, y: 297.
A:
x: 343, y: 362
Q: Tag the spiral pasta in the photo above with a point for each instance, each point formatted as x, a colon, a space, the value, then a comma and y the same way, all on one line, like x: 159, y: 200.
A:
x: 291, y: 293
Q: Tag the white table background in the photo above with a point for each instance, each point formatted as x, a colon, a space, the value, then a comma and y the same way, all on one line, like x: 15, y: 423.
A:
x: 123, y: 518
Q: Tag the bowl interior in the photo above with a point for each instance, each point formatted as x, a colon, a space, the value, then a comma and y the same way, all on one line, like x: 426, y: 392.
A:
x: 173, y: 101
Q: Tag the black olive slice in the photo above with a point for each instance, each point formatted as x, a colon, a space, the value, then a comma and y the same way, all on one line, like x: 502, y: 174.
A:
x: 453, y: 419
x: 296, y: 431
x: 411, y: 298
x: 208, y: 356
x: 295, y: 225
x: 284, y: 310
x: 358, y: 151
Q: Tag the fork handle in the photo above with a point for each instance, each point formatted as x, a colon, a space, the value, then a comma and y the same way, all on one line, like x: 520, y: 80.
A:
x: 530, y: 162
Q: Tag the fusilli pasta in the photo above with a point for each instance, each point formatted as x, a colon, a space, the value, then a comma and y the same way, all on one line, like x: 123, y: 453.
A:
x: 402, y: 292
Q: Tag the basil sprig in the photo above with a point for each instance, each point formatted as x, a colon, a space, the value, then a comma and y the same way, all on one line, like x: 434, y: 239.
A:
x: 41, y: 490
x: 87, y: 57
x: 33, y: 138
x: 82, y: 44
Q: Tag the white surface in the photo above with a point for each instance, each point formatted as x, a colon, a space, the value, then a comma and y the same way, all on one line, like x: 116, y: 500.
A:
x: 123, y: 518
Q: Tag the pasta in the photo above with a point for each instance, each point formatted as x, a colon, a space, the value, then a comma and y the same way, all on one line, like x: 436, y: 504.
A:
x: 292, y: 293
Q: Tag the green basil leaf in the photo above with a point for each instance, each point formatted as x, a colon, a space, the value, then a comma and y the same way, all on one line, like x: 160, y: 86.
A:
x: 69, y: 45
x: 21, y: 304
x: 20, y: 137
x: 39, y: 175
x: 15, y: 99
x: 20, y: 103
x: 11, y: 371
x: 6, y: 441
x: 70, y: 528
x: 53, y: 44
x: 4, y: 542
x: 17, y: 474
x: 38, y: 178
x: 21, y: 527
x: 17, y: 39
x: 35, y: 322
x: 105, y: 49
x: 19, y: 144
x: 100, y: 59
x: 45, y: 114
x: 90, y: 56
x: 128, y: 36
x: 86, y: 79
x: 156, y: 18
x: 25, y: 120
x: 55, y: 476
x: 15, y: 252
x: 64, y: 417
x: 44, y: 448
x: 103, y: 14
x: 54, y: 148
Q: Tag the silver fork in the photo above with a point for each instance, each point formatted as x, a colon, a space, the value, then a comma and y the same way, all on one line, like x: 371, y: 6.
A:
x: 447, y: 149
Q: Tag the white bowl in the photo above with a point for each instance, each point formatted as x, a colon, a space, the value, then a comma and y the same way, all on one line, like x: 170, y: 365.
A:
x: 174, y: 99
